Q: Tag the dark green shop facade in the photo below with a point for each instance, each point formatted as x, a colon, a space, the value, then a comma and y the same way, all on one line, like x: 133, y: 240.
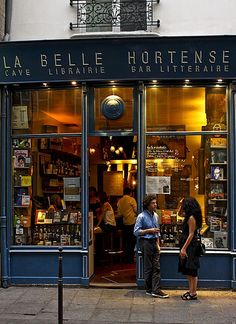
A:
x: 155, y: 114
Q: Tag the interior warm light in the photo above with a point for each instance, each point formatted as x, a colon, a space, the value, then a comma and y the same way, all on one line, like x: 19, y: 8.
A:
x: 92, y: 150
x: 154, y: 81
x: 121, y: 149
x: 219, y: 80
x: 187, y: 80
x: 134, y: 183
x: 73, y: 82
x: 45, y: 84
x: 112, y: 148
x: 117, y: 151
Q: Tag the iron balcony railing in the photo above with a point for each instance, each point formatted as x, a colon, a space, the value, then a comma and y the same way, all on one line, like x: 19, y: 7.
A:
x: 126, y: 14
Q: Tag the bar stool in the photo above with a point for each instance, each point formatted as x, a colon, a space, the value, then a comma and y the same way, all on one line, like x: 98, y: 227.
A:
x: 116, y: 245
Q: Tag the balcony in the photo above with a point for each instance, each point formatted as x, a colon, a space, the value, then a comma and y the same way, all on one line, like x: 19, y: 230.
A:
x: 126, y: 15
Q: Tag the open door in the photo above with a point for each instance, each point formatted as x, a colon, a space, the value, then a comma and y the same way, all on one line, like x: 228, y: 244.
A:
x: 112, y: 168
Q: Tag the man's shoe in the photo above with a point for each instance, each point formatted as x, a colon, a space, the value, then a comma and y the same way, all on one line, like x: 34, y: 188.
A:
x: 160, y: 294
x: 149, y: 293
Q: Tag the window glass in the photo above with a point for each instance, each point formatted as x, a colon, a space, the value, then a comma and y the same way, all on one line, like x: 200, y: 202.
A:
x: 113, y: 109
x: 46, y: 191
x: 194, y: 109
x: 46, y: 111
x: 181, y: 166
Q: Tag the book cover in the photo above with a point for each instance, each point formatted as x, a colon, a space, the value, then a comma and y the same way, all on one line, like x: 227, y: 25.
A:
x: 166, y: 216
x: 21, y: 158
x: 40, y: 216
x: 219, y: 156
x: 218, y: 142
x: 216, y: 191
x: 220, y: 239
x: 26, y: 181
x: 208, y: 241
x: 73, y: 219
x: 217, y: 173
x: 215, y: 224
x: 25, y: 200
x: 18, y: 193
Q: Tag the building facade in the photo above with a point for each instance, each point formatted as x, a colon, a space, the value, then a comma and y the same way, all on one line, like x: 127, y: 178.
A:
x: 141, y: 100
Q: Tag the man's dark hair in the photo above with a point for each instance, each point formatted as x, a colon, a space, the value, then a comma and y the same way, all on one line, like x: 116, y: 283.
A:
x: 147, y: 200
x: 127, y: 191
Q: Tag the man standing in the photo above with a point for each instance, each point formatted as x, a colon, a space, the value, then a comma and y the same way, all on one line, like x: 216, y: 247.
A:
x: 147, y: 229
x: 127, y: 209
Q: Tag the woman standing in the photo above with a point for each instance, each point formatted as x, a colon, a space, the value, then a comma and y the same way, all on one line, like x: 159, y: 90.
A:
x: 188, y: 258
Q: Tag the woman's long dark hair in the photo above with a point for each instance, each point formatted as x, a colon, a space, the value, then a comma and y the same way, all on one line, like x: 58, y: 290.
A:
x: 191, y: 207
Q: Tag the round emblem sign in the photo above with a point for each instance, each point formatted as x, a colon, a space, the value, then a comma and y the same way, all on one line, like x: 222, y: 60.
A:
x: 112, y: 107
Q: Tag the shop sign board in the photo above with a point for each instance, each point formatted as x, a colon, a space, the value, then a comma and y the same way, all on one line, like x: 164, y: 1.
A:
x: 162, y: 58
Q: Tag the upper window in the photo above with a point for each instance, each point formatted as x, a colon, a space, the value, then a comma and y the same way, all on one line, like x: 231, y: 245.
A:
x: 191, y: 109
x: 46, y: 111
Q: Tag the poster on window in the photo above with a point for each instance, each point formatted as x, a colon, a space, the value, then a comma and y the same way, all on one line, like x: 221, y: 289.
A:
x: 158, y: 185
x: 20, y: 117
x: 72, y: 189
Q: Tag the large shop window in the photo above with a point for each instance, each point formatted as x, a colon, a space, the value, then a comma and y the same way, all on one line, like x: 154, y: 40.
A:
x: 46, y: 185
x: 188, y: 165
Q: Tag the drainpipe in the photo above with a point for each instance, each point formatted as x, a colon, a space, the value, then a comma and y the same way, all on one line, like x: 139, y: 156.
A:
x: 8, y: 15
x: 3, y: 206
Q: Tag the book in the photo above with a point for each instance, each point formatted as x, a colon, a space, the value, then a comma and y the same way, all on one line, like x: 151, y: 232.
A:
x: 218, y: 156
x: 208, y: 241
x: 166, y: 216
x: 40, y: 216
x: 21, y: 159
x: 218, y: 142
x: 22, y: 143
x: 217, y: 173
x: 216, y: 191
x: 26, y: 181
x: 220, y: 239
x: 73, y: 219
x: 25, y: 200
x: 18, y: 194
x: 215, y: 224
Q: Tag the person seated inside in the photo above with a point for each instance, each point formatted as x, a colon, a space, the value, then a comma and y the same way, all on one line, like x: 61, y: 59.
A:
x: 107, y: 221
x: 55, y: 203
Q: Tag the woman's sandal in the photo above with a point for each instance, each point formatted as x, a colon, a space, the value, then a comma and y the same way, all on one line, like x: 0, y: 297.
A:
x: 185, y: 294
x: 188, y: 296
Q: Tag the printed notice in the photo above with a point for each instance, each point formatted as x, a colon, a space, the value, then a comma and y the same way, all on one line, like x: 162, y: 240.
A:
x: 158, y: 185
x: 20, y: 117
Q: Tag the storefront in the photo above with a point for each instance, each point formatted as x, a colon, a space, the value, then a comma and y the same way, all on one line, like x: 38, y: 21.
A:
x: 153, y: 114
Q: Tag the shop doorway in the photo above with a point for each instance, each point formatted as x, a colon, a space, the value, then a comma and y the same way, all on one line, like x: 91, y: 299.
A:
x: 112, y: 168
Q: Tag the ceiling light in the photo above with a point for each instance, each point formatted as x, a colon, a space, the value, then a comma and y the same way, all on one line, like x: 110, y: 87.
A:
x: 73, y: 82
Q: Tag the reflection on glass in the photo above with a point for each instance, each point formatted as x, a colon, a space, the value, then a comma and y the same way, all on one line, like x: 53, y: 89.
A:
x: 46, y: 111
x: 196, y: 108
x: 46, y: 191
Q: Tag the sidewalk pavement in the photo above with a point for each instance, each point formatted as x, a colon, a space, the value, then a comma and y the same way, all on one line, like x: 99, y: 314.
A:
x: 39, y: 305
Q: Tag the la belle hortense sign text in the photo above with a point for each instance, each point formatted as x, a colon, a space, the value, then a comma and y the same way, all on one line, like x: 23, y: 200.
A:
x: 118, y: 59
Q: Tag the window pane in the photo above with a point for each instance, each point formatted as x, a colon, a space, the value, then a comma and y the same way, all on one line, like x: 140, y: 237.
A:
x: 46, y: 191
x: 193, y: 108
x: 110, y: 103
x: 133, y: 15
x: 47, y: 111
x: 181, y: 166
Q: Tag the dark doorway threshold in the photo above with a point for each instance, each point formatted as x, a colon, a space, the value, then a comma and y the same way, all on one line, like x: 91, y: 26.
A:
x: 119, y: 275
